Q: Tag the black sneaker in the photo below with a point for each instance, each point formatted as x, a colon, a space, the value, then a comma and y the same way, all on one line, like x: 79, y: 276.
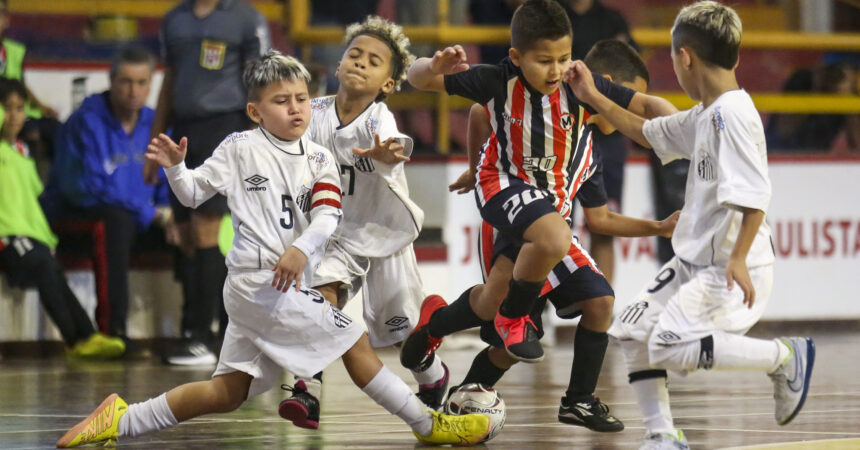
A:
x: 433, y: 395
x: 302, y: 408
x: 591, y: 414
x: 191, y: 352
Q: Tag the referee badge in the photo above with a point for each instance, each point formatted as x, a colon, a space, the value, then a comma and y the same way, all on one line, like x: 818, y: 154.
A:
x: 212, y: 54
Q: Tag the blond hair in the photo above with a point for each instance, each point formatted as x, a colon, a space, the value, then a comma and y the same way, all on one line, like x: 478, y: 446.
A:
x: 271, y: 68
x: 392, y: 35
x: 711, y: 29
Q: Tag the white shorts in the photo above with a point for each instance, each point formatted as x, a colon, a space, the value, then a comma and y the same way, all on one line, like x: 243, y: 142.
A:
x: 271, y: 330
x: 685, y: 303
x: 391, y: 289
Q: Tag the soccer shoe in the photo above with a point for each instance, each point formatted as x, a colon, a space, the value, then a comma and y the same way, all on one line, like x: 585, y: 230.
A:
x: 791, y: 378
x: 433, y: 395
x: 592, y: 414
x: 665, y: 441
x: 468, y: 429
x: 101, y: 427
x: 520, y: 336
x: 302, y: 408
x: 419, y: 347
x: 191, y: 352
x: 99, y: 346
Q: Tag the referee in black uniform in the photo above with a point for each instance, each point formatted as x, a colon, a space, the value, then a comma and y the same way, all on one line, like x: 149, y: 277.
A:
x: 205, y: 45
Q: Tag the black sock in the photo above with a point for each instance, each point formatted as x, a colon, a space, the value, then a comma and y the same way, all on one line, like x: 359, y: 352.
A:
x: 589, y: 347
x: 483, y: 370
x: 186, y: 274
x: 455, y: 317
x: 211, y: 273
x: 521, y: 298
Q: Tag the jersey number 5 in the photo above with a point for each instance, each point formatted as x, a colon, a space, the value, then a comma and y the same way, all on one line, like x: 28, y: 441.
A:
x: 286, y: 207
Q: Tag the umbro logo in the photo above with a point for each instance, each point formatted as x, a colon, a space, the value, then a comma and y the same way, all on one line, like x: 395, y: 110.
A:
x: 256, y: 181
x: 396, y: 321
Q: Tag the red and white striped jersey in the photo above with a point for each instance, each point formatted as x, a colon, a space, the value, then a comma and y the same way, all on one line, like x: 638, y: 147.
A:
x: 536, y: 137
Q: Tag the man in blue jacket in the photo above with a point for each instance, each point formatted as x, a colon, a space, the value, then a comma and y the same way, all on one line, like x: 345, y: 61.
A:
x: 98, y: 166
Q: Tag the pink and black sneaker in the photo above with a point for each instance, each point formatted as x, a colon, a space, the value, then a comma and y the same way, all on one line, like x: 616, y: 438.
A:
x: 302, y: 408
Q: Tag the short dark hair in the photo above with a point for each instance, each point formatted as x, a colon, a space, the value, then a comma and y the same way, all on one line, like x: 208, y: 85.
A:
x: 9, y: 86
x: 617, y: 59
x: 131, y: 55
x: 536, y: 20
x: 712, y: 30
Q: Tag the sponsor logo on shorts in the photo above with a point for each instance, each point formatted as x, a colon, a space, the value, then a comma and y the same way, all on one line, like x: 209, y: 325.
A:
x: 256, y: 181
x: 396, y: 321
x: 340, y: 319
x: 669, y: 337
x: 633, y: 312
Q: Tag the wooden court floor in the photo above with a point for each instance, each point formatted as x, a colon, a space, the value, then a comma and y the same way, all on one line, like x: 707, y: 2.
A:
x: 41, y: 398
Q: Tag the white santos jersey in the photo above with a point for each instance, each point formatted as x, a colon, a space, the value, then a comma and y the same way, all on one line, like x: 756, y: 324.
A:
x: 273, y: 188
x: 728, y: 169
x: 379, y: 219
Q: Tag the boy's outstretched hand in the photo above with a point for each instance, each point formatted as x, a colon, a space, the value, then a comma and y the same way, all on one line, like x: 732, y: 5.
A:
x: 389, y: 151
x: 448, y: 61
x: 288, y: 269
x: 465, y: 182
x: 667, y: 225
x: 165, y: 152
x: 578, y: 76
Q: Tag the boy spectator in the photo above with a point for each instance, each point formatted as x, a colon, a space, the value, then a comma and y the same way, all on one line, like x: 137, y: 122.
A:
x: 26, y: 240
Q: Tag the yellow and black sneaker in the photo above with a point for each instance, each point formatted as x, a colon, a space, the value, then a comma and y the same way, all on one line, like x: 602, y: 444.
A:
x: 468, y: 429
x: 101, y: 427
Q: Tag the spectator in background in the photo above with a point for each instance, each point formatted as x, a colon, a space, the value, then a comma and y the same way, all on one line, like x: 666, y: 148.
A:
x: 816, y: 133
x: 26, y: 240
x: 494, y: 12
x: 98, y: 172
x: 205, y: 45
x: 42, y: 124
x: 592, y: 22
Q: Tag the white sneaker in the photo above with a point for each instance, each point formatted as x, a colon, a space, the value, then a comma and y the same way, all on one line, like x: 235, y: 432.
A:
x: 192, y: 353
x: 665, y: 441
x: 791, y: 378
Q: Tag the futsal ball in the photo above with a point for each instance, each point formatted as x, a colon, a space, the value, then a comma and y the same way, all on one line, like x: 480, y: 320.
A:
x: 475, y: 398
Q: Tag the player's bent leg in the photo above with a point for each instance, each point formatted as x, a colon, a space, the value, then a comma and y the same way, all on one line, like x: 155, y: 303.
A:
x: 223, y: 393
x: 579, y: 406
x: 652, y: 395
x: 547, y: 241
x: 330, y: 292
x: 495, y: 289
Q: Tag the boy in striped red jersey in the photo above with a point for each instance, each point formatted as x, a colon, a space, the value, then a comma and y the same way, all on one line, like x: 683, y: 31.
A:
x: 576, y: 285
x: 532, y: 162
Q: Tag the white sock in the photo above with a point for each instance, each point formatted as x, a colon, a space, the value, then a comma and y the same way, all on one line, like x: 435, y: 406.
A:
x: 652, y: 395
x: 146, y: 417
x: 431, y: 374
x: 313, y: 385
x: 392, y: 393
x: 735, y: 351
x: 784, y: 353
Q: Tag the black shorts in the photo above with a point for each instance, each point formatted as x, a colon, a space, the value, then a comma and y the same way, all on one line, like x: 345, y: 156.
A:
x: 583, y: 284
x: 515, y: 208
x: 204, y: 135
